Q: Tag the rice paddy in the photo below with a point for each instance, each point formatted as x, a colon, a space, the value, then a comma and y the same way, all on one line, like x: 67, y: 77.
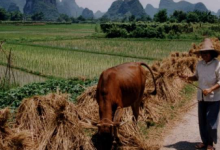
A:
x: 69, y: 51
x: 123, y: 47
x: 21, y: 77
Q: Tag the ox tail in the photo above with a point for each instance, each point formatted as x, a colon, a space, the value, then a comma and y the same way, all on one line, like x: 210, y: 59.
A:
x: 155, y: 88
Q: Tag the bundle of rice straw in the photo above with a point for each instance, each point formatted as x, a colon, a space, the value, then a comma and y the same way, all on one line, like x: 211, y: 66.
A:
x: 130, y: 133
x: 20, y: 140
x: 53, y: 122
x: 4, y: 129
x: 87, y: 105
x: 216, y: 44
x: 12, y: 139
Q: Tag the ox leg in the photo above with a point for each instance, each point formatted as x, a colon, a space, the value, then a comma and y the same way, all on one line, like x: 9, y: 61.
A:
x: 116, y: 120
x: 135, y: 109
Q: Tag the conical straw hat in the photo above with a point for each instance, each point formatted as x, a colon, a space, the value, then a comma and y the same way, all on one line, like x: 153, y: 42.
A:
x: 207, y: 46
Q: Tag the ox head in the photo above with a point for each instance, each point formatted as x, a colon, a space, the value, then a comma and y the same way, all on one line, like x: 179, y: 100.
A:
x: 107, y: 127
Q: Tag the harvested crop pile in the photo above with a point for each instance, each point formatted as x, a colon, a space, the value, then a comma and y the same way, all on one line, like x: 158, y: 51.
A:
x: 12, y: 139
x: 53, y: 122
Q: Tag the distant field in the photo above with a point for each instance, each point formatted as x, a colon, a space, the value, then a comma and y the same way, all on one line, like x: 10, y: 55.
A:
x: 41, y: 32
x: 69, y: 51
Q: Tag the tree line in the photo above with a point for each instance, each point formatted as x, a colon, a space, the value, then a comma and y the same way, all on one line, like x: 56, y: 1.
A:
x: 161, y: 16
x: 39, y: 16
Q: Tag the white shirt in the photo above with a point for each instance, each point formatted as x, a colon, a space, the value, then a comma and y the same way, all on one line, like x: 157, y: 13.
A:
x: 208, y: 74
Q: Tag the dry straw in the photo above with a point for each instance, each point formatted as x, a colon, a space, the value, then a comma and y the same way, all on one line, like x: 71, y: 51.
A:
x: 54, y: 123
x: 12, y: 139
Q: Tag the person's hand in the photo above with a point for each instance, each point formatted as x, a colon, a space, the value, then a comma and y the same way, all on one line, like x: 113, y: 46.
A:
x: 207, y: 91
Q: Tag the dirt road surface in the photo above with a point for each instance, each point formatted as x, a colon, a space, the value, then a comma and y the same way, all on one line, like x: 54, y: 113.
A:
x: 185, y: 134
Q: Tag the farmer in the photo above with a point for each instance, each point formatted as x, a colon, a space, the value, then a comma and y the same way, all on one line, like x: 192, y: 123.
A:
x: 208, y: 76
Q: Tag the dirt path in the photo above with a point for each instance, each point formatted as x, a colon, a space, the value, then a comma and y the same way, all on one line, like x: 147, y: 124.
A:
x: 185, y: 134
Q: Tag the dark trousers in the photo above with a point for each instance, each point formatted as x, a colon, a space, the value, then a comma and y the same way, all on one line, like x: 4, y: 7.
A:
x: 208, y: 121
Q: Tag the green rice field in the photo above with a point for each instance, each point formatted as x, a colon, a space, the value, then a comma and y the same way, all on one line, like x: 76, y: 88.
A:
x: 69, y: 51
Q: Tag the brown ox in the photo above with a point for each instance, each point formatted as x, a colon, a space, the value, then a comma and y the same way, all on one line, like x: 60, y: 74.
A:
x: 118, y: 87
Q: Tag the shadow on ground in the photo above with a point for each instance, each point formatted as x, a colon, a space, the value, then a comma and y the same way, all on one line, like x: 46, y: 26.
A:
x: 182, y: 145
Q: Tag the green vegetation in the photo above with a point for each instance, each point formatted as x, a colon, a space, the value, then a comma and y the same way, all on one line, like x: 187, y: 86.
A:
x: 14, y: 97
x: 165, y: 30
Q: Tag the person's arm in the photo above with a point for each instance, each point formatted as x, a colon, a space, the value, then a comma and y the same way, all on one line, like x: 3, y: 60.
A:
x: 211, y: 89
x: 189, y: 78
x: 192, y: 78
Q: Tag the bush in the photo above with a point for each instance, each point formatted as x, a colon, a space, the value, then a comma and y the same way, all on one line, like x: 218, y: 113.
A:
x: 173, y: 35
x: 117, y: 32
x: 145, y: 30
x: 206, y: 32
x: 138, y: 33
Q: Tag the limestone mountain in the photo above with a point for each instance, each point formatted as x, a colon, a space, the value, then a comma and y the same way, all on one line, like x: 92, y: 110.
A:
x: 13, y: 8
x: 87, y: 14
x: 150, y: 10
x: 125, y: 8
x: 218, y: 13
x: 20, y: 4
x: 47, y: 7
x: 171, y: 6
x: 6, y: 3
x: 98, y: 14
x: 69, y: 7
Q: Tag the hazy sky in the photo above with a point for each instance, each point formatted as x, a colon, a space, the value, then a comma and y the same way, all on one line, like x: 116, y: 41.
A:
x: 103, y: 5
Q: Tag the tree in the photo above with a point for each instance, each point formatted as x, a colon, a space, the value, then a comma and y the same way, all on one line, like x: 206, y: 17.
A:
x: 16, y: 16
x: 73, y: 20
x: 3, y: 14
x: 179, y: 15
x: 37, y: 16
x: 206, y: 16
x: 192, y: 17
x: 81, y: 18
x: 161, y: 16
x: 144, y: 18
x: 132, y: 18
x: 64, y: 18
